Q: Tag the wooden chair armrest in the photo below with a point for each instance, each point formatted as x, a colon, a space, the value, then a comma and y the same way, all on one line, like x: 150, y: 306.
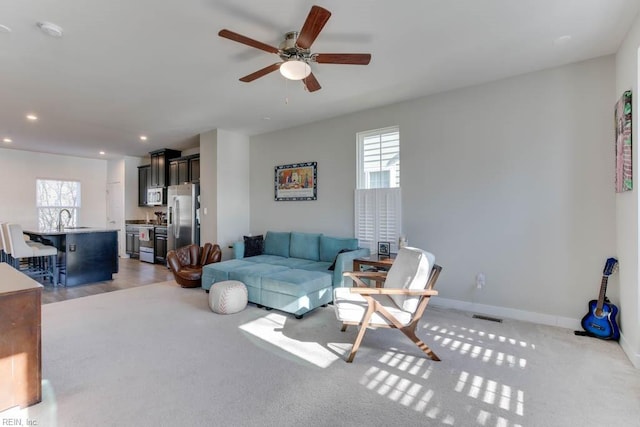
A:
x: 389, y: 291
x: 366, y: 274
x: 357, y: 276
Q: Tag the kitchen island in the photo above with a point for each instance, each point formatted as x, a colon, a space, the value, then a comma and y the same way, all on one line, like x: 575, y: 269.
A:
x: 85, y: 255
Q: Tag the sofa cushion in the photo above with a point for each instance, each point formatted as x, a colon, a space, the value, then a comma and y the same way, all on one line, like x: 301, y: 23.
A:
x: 315, y: 266
x: 296, y: 282
x: 253, y: 245
x: 251, y: 275
x: 219, y: 271
x: 265, y: 259
x: 277, y: 243
x: 330, y: 246
x: 305, y: 245
x: 333, y: 265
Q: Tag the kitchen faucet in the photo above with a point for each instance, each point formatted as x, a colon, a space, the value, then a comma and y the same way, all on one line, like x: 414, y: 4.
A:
x: 60, y: 224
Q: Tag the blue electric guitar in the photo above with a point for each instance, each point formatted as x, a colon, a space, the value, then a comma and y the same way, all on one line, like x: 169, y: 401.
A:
x: 600, y: 321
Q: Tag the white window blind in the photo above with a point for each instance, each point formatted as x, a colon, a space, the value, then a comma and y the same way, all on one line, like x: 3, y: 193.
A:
x: 378, y: 201
x: 378, y: 217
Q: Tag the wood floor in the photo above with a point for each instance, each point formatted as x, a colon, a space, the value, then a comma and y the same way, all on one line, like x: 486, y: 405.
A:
x: 131, y: 273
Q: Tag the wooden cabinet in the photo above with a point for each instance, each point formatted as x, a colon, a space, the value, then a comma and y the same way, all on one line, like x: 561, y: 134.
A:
x: 144, y: 181
x: 184, y: 170
x: 160, y: 166
x: 20, y: 345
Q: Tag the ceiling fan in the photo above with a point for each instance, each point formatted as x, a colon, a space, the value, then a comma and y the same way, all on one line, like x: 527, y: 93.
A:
x: 295, y: 53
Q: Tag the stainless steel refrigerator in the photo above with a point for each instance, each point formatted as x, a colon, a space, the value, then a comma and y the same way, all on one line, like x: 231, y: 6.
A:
x: 183, y: 215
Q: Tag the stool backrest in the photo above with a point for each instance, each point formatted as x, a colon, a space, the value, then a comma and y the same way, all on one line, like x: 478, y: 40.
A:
x: 1, y: 238
x: 4, y: 233
x: 19, y: 248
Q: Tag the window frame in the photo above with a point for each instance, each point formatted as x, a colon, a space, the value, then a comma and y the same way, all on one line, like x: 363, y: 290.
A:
x: 362, y: 177
x: 377, y: 210
x: 51, y: 220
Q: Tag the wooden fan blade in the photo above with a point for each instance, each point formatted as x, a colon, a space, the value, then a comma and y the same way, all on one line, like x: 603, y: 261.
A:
x: 246, y: 40
x: 263, y: 72
x: 343, y: 58
x: 311, y: 83
x: 316, y: 19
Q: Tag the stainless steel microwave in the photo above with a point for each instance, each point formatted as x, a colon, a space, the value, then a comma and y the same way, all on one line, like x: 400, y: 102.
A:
x: 156, y: 196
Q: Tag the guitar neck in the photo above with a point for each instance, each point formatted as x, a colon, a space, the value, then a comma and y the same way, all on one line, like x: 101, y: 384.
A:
x: 603, y: 293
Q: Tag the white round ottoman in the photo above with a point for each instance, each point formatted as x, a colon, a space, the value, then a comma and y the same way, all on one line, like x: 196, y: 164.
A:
x: 228, y: 297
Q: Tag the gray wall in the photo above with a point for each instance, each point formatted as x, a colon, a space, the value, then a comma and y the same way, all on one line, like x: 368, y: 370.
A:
x: 224, y: 188
x: 512, y: 179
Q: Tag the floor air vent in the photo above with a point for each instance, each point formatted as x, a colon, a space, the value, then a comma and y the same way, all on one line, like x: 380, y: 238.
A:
x: 489, y: 318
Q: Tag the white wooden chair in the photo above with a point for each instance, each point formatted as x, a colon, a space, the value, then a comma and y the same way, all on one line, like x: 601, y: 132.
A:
x: 399, y: 304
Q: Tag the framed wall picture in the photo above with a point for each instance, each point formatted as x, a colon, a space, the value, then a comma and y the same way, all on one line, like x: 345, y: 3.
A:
x: 298, y: 181
x: 384, y: 249
x: 624, y: 168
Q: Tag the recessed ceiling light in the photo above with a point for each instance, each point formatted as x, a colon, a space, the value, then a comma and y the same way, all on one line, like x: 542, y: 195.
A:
x: 143, y: 137
x: 50, y: 29
x: 101, y: 153
x: 32, y: 117
x: 7, y: 140
x: 4, y: 29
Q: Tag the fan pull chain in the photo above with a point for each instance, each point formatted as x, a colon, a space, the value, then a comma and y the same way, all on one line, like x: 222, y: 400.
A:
x: 286, y: 91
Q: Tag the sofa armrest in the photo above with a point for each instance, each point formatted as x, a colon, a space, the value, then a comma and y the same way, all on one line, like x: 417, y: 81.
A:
x: 238, y: 249
x: 344, y: 262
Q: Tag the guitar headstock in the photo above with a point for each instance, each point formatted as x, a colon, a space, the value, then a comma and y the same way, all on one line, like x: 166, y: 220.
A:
x: 610, y: 267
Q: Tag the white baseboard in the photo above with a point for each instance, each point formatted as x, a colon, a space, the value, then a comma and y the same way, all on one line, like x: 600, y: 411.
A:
x: 633, y: 357
x: 510, y: 313
x: 527, y: 316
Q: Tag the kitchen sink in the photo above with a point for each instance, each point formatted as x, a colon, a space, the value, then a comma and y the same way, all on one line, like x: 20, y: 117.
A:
x: 75, y: 228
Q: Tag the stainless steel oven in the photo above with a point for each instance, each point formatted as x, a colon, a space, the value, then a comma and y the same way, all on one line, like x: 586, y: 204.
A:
x: 147, y: 253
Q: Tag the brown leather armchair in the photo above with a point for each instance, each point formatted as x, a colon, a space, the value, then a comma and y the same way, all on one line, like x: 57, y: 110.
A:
x: 186, y: 263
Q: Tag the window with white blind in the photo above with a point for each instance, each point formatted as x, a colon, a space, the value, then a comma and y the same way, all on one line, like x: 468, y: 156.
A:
x: 378, y: 202
x: 379, y: 158
x: 53, y: 196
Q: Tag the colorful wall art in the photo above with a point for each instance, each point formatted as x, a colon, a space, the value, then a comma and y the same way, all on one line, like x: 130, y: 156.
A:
x: 624, y: 170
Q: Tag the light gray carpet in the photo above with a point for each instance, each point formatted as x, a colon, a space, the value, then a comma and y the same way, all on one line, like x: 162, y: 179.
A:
x: 157, y: 356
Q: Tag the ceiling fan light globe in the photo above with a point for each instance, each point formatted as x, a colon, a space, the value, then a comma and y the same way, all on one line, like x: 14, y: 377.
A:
x: 295, y: 69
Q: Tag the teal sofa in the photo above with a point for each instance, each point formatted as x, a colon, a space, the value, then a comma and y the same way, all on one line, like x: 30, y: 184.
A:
x: 292, y: 273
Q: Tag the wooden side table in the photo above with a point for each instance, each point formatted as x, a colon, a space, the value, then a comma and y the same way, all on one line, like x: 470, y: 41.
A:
x: 377, y: 262
x: 20, y: 339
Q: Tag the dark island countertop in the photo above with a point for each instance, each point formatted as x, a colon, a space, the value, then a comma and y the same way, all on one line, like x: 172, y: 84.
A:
x: 85, y: 254
x: 71, y: 230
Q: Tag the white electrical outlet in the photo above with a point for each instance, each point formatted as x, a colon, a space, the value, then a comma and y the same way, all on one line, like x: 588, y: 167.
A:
x: 480, y: 280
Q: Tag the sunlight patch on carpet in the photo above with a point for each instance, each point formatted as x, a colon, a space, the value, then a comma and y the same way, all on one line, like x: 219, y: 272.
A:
x: 270, y: 329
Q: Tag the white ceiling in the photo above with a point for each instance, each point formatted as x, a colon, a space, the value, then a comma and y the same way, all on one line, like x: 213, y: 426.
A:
x: 157, y: 67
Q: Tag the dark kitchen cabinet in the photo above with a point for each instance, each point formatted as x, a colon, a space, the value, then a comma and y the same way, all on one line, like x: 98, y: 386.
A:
x: 184, y: 170
x: 179, y: 171
x: 144, y: 181
x: 160, y: 245
x: 194, y: 169
x: 132, y: 246
x: 160, y: 166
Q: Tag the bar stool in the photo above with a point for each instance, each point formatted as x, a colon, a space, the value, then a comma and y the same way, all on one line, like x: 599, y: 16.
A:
x: 41, y: 261
x: 4, y: 237
x: 3, y: 254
